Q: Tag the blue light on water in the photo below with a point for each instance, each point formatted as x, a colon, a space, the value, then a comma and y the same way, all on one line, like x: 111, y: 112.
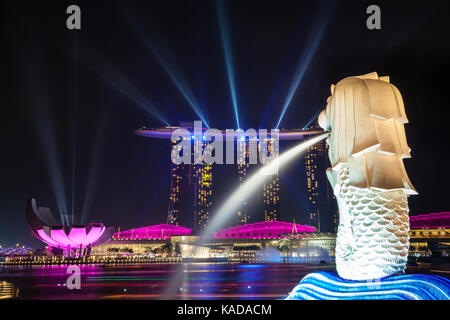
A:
x: 251, y: 266
x: 329, y: 286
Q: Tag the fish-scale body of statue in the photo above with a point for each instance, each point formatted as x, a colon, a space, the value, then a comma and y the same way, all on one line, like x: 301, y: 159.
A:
x: 367, y: 144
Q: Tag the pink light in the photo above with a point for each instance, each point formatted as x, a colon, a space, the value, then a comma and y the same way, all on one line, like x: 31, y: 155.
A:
x: 61, y: 237
x: 78, y: 234
x: 432, y: 220
x: 44, y: 237
x: 160, y: 231
x: 77, y: 238
x: 266, y: 229
x: 95, y: 233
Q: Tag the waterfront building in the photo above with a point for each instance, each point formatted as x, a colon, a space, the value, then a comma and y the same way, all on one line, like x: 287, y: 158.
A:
x: 203, y: 183
x: 198, y: 180
x: 147, y: 240
x: 430, y: 236
x: 155, y: 232
x: 262, y: 230
x: 243, y: 147
x: 320, y: 242
x: 322, y: 206
x: 271, y: 188
x: 178, y: 183
x: 68, y: 240
x: 190, y: 182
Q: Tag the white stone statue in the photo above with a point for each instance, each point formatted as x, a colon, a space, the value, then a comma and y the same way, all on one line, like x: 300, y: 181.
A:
x: 367, y: 144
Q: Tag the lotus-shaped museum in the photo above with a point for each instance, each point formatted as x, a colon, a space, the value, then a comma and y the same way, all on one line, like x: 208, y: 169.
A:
x: 72, y: 240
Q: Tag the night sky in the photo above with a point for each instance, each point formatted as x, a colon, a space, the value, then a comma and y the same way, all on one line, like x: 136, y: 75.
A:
x: 71, y: 99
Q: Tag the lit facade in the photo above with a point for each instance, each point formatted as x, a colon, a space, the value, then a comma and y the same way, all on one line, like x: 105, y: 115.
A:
x: 325, y: 241
x: 72, y: 240
x: 266, y: 229
x: 203, y: 183
x: 178, y: 181
x: 322, y: 206
x: 198, y: 179
x: 244, y: 148
x: 160, y: 231
x: 271, y: 189
x: 430, y: 235
x: 193, y: 181
x: 431, y: 220
x: 314, y: 168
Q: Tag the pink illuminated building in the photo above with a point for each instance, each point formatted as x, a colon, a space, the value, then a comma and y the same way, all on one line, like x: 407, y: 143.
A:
x: 160, y: 231
x: 266, y: 229
x: 72, y: 240
x: 76, y: 240
x: 431, y: 220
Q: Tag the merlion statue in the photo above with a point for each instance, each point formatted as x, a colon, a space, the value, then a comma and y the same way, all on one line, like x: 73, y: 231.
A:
x: 367, y: 144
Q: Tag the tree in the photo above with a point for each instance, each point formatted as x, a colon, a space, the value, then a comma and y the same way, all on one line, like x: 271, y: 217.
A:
x: 285, y: 246
x: 148, y: 250
x: 167, y: 248
x: 177, y: 249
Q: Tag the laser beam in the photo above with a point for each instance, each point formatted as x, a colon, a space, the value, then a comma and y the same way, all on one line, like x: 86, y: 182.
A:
x: 312, y: 44
x: 314, y: 117
x: 226, y: 46
x: 74, y: 123
x: 169, y: 64
x: 111, y: 75
x: 39, y: 101
x: 95, y: 161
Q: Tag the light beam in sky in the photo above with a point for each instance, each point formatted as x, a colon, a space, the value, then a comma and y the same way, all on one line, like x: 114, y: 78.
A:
x: 312, y: 43
x: 226, y: 46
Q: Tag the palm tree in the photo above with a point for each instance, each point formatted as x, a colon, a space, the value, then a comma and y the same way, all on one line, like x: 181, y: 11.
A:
x: 177, y: 249
x: 285, y: 245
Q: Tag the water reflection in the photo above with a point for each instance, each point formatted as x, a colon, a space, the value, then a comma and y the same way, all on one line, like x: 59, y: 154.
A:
x: 8, y: 290
x: 156, y: 281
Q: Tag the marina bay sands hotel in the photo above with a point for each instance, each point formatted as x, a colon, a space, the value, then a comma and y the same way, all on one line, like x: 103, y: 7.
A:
x: 197, y: 180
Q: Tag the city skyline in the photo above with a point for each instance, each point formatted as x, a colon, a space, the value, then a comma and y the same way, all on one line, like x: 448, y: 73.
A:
x: 74, y: 98
x: 194, y: 183
x: 212, y: 151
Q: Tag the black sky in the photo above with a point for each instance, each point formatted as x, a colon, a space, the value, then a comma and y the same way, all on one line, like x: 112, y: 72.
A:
x: 51, y: 75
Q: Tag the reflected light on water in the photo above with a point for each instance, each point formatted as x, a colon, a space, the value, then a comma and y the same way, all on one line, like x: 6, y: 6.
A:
x: 8, y: 290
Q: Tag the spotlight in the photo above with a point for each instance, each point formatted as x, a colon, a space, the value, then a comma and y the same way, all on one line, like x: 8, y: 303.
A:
x: 312, y: 43
x: 226, y: 46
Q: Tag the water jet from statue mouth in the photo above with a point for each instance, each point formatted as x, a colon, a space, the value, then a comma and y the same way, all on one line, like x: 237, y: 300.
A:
x: 233, y: 202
